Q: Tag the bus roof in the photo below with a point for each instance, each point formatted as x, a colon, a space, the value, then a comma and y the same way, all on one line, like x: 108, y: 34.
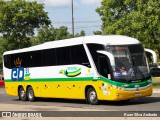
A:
x: 97, y: 39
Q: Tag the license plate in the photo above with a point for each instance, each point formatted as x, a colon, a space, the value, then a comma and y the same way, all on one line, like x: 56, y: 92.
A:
x: 137, y: 94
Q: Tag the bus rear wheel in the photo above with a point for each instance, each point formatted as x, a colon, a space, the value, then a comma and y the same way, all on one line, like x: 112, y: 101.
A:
x: 92, y: 96
x: 22, y: 94
x: 30, y: 94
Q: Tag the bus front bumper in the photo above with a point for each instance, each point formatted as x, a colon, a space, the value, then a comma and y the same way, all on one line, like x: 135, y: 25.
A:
x: 116, y: 94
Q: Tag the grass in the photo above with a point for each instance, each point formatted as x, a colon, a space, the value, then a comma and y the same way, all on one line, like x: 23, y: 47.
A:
x: 156, y: 82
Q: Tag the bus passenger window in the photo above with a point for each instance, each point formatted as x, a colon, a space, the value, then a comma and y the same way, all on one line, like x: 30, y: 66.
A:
x: 36, y: 58
x: 49, y: 57
x: 63, y: 56
x: 7, y: 61
x: 79, y: 56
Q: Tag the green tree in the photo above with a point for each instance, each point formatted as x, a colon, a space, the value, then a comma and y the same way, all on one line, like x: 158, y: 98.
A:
x: 135, y: 18
x: 51, y: 33
x: 1, y: 50
x: 97, y: 33
x: 82, y: 33
x: 18, y: 20
x: 62, y: 33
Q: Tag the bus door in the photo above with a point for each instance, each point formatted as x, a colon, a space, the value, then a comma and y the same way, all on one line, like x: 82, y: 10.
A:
x: 104, y: 66
x: 105, y: 71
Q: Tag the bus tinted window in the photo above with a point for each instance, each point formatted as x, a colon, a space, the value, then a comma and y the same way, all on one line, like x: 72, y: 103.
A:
x: 79, y: 55
x: 93, y: 50
x: 15, y: 57
x: 20, y: 60
x: 17, y: 60
x: 25, y: 59
x: 49, y: 57
x: 63, y: 56
x: 7, y: 61
x: 139, y: 48
x: 35, y: 58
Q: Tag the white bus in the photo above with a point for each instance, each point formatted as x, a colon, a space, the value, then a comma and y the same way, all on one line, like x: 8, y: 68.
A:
x: 111, y: 67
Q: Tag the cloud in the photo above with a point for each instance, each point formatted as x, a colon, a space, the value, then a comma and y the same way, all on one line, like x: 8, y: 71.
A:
x: 91, y: 1
x: 64, y: 3
x: 57, y: 3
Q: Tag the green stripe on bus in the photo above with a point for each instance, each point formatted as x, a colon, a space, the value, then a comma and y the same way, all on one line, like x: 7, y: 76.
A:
x: 126, y: 85
x: 52, y: 79
x: 118, y: 84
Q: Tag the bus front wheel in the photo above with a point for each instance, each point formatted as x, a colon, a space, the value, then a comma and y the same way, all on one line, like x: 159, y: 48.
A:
x: 22, y: 94
x: 92, y: 96
x: 30, y: 94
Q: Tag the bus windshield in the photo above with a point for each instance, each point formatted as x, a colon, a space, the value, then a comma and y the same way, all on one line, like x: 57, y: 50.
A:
x: 130, y: 63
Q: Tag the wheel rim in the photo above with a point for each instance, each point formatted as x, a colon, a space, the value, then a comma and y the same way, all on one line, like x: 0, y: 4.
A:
x: 22, y: 93
x: 93, y: 96
x: 31, y: 94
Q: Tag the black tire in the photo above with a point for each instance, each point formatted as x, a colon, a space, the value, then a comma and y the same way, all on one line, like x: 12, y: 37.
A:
x: 124, y: 101
x: 30, y: 94
x: 92, y: 96
x: 22, y: 94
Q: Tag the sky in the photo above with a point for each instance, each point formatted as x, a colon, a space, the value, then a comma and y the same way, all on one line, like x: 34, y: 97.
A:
x: 85, y: 16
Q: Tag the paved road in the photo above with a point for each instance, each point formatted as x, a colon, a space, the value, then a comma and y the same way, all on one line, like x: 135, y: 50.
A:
x: 151, y: 103
x: 10, y: 103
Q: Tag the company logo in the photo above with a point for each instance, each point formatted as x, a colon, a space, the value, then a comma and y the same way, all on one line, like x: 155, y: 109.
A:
x: 71, y: 71
x: 133, y: 74
x: 17, y: 62
x: 17, y: 74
